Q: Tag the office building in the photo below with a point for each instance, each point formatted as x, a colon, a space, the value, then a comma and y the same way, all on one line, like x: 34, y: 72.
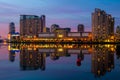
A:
x: 32, y: 25
x: 47, y: 29
x: 54, y: 27
x: 43, y: 23
x: 118, y: 30
x: 118, y: 33
x: 80, y: 28
x: 11, y: 28
x: 67, y: 29
x: 102, y: 25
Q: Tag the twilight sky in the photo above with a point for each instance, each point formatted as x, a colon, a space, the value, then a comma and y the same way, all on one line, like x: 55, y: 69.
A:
x: 66, y: 13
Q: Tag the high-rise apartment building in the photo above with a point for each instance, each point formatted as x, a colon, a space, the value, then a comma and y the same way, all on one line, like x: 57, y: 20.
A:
x: 102, y: 25
x: 80, y: 28
x: 31, y: 25
x: 11, y: 28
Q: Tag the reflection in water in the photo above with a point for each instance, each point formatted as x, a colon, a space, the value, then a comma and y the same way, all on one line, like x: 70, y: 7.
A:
x: 102, y: 60
x: 12, y: 55
x: 33, y: 57
x: 80, y: 57
x: 118, y: 51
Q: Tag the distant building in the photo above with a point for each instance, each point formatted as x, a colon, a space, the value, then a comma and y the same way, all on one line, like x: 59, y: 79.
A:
x: 43, y: 23
x: 62, y: 34
x: 67, y: 29
x: 118, y: 30
x: 118, y: 33
x: 14, y: 36
x: 47, y: 29
x: 102, y: 25
x: 11, y: 28
x: 32, y: 25
x: 80, y: 28
x: 54, y: 27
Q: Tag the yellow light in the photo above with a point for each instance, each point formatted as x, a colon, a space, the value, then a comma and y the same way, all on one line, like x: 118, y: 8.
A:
x: 60, y: 50
x: 108, y: 45
x: 108, y: 40
x: 60, y: 35
x: 9, y: 47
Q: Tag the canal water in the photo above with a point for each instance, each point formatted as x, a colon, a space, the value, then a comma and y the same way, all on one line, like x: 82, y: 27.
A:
x: 59, y: 62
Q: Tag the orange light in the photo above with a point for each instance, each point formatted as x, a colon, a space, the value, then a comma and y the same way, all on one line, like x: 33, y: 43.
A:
x: 9, y: 36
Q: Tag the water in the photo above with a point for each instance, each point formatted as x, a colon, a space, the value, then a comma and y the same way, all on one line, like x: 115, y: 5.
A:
x: 59, y: 62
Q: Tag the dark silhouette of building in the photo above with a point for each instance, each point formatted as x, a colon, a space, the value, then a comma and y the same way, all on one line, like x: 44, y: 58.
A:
x: 47, y: 29
x: 118, y: 33
x: 11, y: 28
x: 80, y: 28
x: 54, y: 27
x: 118, y: 51
x: 67, y: 29
x: 118, y: 29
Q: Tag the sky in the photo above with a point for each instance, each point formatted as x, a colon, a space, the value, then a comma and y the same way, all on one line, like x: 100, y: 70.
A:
x: 66, y: 13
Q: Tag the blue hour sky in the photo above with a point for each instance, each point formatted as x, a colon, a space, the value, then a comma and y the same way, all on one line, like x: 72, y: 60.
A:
x: 66, y: 13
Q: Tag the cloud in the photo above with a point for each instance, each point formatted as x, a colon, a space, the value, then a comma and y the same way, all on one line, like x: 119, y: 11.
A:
x: 4, y: 5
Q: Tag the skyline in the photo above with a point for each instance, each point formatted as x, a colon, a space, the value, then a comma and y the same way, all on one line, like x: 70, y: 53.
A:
x: 65, y: 13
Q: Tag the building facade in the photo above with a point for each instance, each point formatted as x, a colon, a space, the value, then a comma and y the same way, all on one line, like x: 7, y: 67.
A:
x: 117, y: 33
x: 32, y: 25
x: 67, y: 29
x: 11, y: 28
x: 80, y: 28
x: 118, y: 30
x: 102, y: 25
x: 47, y: 29
x: 54, y: 27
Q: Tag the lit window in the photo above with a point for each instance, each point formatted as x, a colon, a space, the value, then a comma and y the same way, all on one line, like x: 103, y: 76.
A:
x: 60, y: 35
